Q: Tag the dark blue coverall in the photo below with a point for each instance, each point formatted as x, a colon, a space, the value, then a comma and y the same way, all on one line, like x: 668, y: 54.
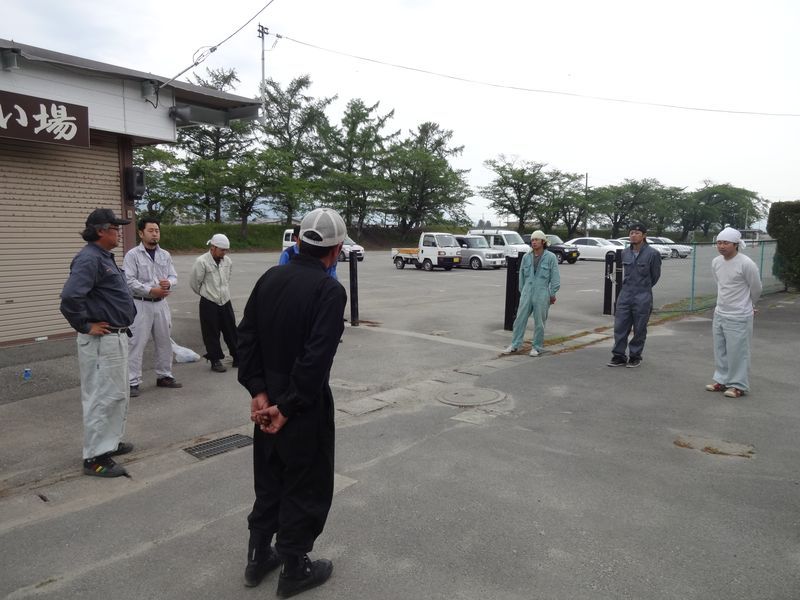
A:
x: 635, y: 302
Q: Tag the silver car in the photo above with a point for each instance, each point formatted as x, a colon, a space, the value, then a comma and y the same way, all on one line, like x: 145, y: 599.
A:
x: 477, y: 254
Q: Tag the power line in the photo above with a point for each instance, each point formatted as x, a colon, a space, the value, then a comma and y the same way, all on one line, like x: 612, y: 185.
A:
x: 539, y: 91
x: 211, y: 49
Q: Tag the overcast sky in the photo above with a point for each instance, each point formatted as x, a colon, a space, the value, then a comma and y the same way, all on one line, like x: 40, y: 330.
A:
x: 726, y: 55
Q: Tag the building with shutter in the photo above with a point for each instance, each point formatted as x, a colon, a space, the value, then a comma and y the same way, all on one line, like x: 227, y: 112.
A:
x: 68, y: 127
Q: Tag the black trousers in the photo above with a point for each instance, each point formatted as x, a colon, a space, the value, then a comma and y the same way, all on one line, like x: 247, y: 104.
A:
x: 293, y: 478
x: 216, y: 319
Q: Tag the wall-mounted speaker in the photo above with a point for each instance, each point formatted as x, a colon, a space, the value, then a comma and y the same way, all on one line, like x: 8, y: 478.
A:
x: 134, y: 182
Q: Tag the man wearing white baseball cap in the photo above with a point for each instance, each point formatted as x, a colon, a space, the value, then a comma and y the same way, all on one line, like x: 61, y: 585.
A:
x: 738, y: 289
x: 210, y: 279
x: 288, y: 338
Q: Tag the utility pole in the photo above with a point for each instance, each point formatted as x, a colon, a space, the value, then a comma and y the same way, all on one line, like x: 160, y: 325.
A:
x: 263, y: 32
x: 586, y: 204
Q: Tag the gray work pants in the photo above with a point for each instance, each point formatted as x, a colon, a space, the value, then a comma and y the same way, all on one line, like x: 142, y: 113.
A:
x: 103, y: 363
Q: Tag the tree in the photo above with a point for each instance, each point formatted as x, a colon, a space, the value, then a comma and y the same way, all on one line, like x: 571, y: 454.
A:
x: 619, y: 204
x: 246, y: 182
x: 719, y: 205
x: 291, y: 127
x: 354, y: 158
x: 209, y: 149
x: 163, y: 194
x: 517, y: 187
x: 424, y: 187
x: 559, y: 199
x: 662, y: 210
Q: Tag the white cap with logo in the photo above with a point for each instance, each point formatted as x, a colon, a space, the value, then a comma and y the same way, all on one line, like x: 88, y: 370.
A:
x: 220, y: 240
x: 325, y: 226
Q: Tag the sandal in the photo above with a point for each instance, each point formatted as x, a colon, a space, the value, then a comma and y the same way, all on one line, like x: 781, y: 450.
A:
x: 733, y: 392
x: 715, y: 387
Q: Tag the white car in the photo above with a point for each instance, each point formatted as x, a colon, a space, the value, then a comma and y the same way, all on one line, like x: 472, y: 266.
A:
x: 592, y: 248
x: 663, y: 250
x: 349, y: 246
x: 678, y: 250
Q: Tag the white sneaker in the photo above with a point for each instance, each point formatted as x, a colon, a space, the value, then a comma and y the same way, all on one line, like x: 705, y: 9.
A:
x: 510, y: 349
x: 534, y: 352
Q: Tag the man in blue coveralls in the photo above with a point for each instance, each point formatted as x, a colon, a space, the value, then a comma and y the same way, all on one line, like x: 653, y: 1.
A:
x: 642, y: 269
x: 539, y: 282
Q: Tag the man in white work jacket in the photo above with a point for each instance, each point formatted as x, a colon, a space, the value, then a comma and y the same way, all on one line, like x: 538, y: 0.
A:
x: 210, y: 279
x: 151, y: 278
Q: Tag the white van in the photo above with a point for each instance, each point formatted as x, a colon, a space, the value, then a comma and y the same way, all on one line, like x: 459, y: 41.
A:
x: 510, y: 243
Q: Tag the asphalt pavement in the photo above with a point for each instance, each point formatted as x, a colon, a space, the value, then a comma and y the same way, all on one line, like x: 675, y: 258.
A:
x: 460, y: 472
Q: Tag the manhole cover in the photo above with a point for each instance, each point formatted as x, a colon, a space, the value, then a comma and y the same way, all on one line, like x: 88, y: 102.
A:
x: 470, y: 396
x: 219, y: 446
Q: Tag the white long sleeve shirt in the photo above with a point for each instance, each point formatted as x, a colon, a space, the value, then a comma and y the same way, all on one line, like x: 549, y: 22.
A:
x: 738, y: 285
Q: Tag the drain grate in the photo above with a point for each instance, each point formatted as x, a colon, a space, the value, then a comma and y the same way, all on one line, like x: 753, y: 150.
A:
x: 219, y: 446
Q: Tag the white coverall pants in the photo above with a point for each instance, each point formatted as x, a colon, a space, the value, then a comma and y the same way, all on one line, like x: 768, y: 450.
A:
x: 152, y: 318
x: 103, y: 363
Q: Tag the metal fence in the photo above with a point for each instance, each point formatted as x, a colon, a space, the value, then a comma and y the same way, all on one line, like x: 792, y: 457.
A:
x: 693, y: 289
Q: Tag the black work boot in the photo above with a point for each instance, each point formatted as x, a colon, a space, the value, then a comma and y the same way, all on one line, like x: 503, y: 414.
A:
x: 261, y: 559
x: 300, y: 574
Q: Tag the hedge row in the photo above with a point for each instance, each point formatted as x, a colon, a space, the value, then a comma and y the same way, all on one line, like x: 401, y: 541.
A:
x: 783, y: 224
x: 267, y: 237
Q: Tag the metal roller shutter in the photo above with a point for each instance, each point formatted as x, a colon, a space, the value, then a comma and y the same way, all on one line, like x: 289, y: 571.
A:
x: 46, y: 193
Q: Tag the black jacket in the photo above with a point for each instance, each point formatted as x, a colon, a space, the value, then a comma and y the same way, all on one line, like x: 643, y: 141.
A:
x: 289, y: 334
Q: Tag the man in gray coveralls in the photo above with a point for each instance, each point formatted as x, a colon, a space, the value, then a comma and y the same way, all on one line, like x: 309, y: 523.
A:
x: 642, y: 269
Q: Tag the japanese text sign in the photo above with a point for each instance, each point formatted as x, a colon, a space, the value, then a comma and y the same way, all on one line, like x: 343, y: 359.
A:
x: 41, y: 120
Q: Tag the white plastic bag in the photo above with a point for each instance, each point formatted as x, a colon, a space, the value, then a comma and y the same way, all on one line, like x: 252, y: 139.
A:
x: 184, y: 355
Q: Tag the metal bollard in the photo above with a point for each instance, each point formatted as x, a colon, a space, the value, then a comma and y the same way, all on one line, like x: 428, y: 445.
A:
x: 608, y: 282
x: 512, y: 291
x: 617, y: 278
x: 353, y: 289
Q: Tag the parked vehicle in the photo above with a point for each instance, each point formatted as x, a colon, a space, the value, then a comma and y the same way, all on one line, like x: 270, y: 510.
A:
x: 434, y: 250
x: 678, y: 250
x: 287, y: 239
x: 563, y: 252
x: 477, y: 254
x: 663, y: 250
x: 349, y: 246
x: 593, y: 248
x: 510, y: 243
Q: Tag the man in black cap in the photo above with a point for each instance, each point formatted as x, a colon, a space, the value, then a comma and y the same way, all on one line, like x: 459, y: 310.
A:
x: 642, y: 269
x: 96, y: 302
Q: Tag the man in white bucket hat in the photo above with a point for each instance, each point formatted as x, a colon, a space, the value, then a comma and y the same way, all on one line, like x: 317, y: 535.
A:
x: 738, y: 289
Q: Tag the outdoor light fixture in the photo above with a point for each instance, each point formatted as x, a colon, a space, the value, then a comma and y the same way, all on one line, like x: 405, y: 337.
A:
x: 149, y: 88
x: 9, y: 58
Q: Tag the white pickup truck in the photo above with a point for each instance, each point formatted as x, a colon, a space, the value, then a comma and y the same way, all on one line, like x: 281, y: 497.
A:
x: 434, y: 250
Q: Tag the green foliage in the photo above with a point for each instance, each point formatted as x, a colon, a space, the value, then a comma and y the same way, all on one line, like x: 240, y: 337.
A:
x: 625, y: 203
x: 291, y: 128
x: 354, y: 156
x: 424, y: 188
x: 517, y: 187
x: 783, y: 224
x: 260, y: 236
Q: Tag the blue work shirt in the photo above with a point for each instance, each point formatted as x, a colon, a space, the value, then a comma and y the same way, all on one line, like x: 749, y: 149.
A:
x: 641, y: 271
x: 293, y: 250
x: 96, y: 291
